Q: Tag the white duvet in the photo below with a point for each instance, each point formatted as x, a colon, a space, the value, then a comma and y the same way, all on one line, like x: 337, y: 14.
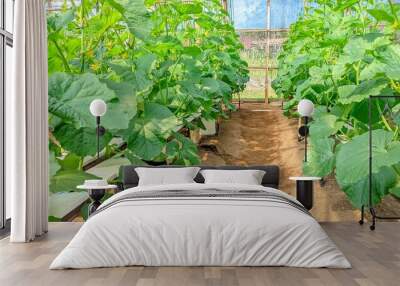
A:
x: 202, y: 232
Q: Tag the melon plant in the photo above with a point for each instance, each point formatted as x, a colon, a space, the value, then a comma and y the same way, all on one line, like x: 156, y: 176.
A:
x: 160, y: 65
x: 338, y: 54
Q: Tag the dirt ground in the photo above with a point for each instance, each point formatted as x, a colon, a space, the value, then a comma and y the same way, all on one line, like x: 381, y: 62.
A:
x: 260, y: 134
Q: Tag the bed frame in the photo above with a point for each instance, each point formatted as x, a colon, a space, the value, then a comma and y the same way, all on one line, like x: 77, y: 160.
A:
x: 130, y: 178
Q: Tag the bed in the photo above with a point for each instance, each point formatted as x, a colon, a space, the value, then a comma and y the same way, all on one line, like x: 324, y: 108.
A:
x: 197, y: 224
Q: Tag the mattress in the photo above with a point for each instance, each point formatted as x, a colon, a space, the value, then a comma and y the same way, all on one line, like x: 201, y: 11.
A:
x: 201, y: 225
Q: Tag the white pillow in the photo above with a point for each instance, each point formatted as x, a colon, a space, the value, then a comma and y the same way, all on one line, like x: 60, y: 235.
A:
x: 166, y: 176
x: 247, y: 177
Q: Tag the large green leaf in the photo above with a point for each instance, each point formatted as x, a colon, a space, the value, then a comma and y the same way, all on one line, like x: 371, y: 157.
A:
x: 82, y: 141
x: 57, y: 21
x: 384, y: 153
x: 356, y: 93
x: 215, y: 86
x: 325, y: 125
x: 133, y: 159
x: 70, y: 97
x: 144, y: 141
x: 120, y: 112
x: 395, y: 190
x: 146, y: 62
x: 139, y: 80
x: 53, y: 164
x: 182, y: 151
x: 318, y: 74
x: 321, y: 160
x: 391, y: 58
x: 117, y: 6
x: 137, y: 18
x: 383, y: 182
x: 371, y: 70
x: 67, y: 180
x: 143, y: 83
x: 149, y: 132
x: 189, y: 8
x: 381, y: 15
x: 356, y: 48
x: 352, y: 161
x: 70, y: 161
x: 124, y: 71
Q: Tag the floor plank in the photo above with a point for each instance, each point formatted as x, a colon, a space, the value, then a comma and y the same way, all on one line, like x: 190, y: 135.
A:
x: 375, y: 257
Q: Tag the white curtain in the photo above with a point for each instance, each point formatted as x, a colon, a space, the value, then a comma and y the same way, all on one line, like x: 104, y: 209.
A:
x: 27, y: 125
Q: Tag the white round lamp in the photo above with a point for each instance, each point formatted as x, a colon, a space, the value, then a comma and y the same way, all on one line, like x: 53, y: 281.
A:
x: 305, y: 107
x: 98, y: 107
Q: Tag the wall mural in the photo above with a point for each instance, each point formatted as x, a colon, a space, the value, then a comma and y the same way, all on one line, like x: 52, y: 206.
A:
x: 161, y: 67
x: 164, y: 68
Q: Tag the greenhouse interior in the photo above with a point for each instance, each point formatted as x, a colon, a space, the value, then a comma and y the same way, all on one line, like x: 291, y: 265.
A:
x: 200, y: 142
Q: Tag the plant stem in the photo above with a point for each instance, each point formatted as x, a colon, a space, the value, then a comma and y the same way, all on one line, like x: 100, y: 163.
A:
x: 101, y: 37
x: 120, y: 40
x: 396, y: 169
x: 357, y: 69
x: 53, y: 139
x: 362, y: 18
x: 61, y: 54
x: 392, y: 9
x: 82, y: 37
x: 387, y: 125
x: 396, y: 133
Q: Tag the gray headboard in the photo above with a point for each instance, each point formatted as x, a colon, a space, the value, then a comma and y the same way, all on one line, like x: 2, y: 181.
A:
x: 130, y: 178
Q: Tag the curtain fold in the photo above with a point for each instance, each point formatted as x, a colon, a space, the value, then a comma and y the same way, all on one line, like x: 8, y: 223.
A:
x: 27, y: 124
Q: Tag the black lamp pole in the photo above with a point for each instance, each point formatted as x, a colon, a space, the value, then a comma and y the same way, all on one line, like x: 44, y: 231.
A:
x: 98, y: 135
x: 100, y: 130
x: 305, y: 137
x: 303, y: 131
x: 305, y: 108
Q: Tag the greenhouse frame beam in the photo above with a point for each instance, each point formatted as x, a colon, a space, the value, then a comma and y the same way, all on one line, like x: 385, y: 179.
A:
x: 262, y: 68
x: 269, y: 41
x: 266, y: 88
x: 263, y: 30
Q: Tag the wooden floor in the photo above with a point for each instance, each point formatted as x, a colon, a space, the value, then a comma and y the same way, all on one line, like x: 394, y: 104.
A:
x: 375, y: 257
